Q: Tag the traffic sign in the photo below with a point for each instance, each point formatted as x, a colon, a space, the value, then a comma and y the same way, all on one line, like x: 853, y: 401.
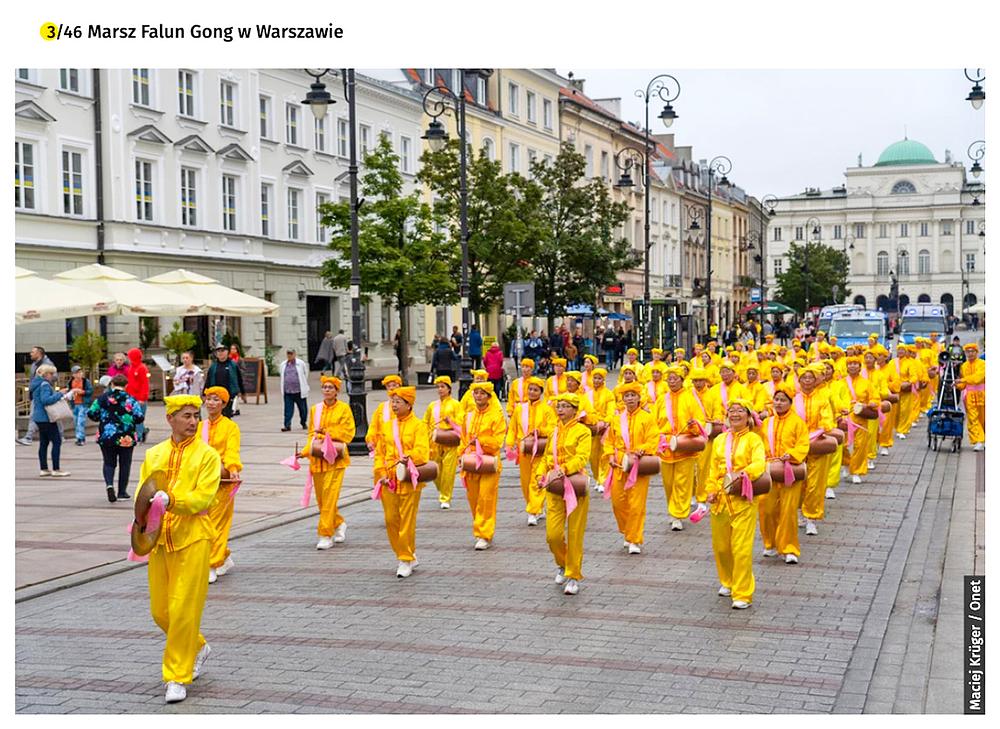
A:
x: 755, y: 295
x: 519, y: 298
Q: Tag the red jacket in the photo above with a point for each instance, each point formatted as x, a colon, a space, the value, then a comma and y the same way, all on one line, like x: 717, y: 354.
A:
x: 138, y: 376
x: 493, y: 362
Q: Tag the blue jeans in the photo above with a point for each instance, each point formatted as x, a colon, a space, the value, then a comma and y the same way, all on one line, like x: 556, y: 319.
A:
x: 80, y: 421
x: 293, y: 400
x: 140, y: 428
x: 609, y: 356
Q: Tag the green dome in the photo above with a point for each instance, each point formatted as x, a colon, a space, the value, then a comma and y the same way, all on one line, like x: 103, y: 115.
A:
x: 906, y: 152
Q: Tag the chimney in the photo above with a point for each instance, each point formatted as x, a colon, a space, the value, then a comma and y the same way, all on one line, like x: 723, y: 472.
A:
x: 576, y: 83
x: 612, y: 105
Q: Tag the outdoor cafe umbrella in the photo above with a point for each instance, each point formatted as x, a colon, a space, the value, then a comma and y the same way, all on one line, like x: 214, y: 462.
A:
x: 133, y: 296
x: 210, y: 296
x: 976, y: 309
x: 772, y: 307
x: 38, y: 299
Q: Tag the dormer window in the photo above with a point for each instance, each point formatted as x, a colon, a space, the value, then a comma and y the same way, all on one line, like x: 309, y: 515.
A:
x: 903, y: 187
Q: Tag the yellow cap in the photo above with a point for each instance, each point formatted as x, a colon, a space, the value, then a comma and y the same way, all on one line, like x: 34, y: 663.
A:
x: 176, y: 402
x: 220, y: 392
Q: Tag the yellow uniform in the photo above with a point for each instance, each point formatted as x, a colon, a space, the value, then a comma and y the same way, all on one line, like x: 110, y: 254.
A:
x: 920, y: 381
x: 758, y: 396
x: 382, y: 415
x: 224, y: 436
x: 928, y: 359
x: 487, y: 426
x: 654, y: 392
x: 555, y: 385
x: 517, y: 394
x: 467, y: 404
x: 570, y: 445
x: 178, y: 564
x: 861, y: 391
x: 782, y: 435
x: 599, y: 404
x: 887, y: 428
x: 814, y: 409
x: 674, y: 416
x: 706, y: 412
x: 436, y: 416
x: 905, y: 372
x: 630, y: 433
x: 400, y: 499
x: 528, y: 418
x: 840, y: 405
x: 338, y: 423
x: 973, y: 376
x: 734, y: 518
x: 879, y: 391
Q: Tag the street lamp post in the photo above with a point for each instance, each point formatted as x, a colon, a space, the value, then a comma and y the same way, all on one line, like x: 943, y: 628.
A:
x: 976, y: 152
x: 813, y: 224
x: 318, y: 99
x: 767, y: 205
x: 721, y: 165
x: 977, y: 96
x: 694, y: 215
x: 625, y: 160
x: 437, y: 137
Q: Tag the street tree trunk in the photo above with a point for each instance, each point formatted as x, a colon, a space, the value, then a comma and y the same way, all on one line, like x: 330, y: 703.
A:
x: 404, y: 344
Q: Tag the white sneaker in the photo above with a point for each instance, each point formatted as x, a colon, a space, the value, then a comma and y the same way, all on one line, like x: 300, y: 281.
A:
x: 225, y: 567
x: 884, y: 452
x: 340, y: 533
x: 676, y: 525
x: 724, y: 591
x: 770, y: 552
x: 843, y: 471
x: 404, y: 569
x: 324, y: 543
x: 572, y: 587
x: 802, y: 521
x: 831, y: 494
x: 740, y: 605
x: 811, y: 528
x: 561, y: 577
x: 901, y: 436
x: 445, y: 505
x: 44, y: 474
x: 482, y: 544
x: 213, y: 575
x: 791, y: 559
x: 978, y: 447
x: 871, y: 465
x: 24, y: 441
x: 634, y: 549
x: 199, y: 661
x: 855, y: 479
x: 532, y: 519
x: 175, y: 692
x: 61, y: 474
x: 599, y: 488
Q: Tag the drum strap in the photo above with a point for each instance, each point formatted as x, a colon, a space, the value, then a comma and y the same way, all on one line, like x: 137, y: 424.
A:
x: 411, y: 469
x: 569, y: 495
x: 746, y: 485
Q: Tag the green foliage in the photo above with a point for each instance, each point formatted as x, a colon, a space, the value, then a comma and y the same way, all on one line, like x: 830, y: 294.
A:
x: 814, y: 267
x: 177, y: 341
x: 149, y: 330
x: 272, y: 365
x: 89, y: 350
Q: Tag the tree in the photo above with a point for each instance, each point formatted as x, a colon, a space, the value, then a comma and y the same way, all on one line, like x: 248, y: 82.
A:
x: 404, y: 259
x: 177, y: 341
x: 502, y: 220
x: 578, y: 253
x: 89, y: 349
x: 816, y: 269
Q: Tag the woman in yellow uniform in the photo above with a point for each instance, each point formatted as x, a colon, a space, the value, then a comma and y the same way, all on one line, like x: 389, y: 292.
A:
x: 786, y: 439
x: 566, y: 453
x: 383, y: 413
x: 533, y: 417
x: 812, y: 404
x: 602, y: 406
x: 677, y: 414
x: 443, y: 414
x: 736, y: 455
x: 518, y: 391
x: 890, y: 378
x: 878, y: 390
x: 333, y: 418
x: 590, y: 363
x: 861, y: 391
x: 178, y: 565
x: 907, y: 374
x: 633, y: 433
x: 705, y: 413
x: 556, y: 384
x: 483, y: 431
x: 840, y: 405
x: 224, y: 436
x: 655, y: 386
x: 973, y: 386
x: 754, y: 390
x: 403, y: 441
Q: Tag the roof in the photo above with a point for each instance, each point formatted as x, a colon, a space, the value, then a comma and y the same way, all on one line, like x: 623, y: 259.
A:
x: 906, y: 152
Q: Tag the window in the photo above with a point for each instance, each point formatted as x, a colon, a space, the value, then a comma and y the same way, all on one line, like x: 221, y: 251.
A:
x: 779, y: 266
x: 531, y: 108
x: 143, y: 190
x: 140, y: 86
x: 405, y: 150
x: 970, y: 227
x: 924, y: 262
x: 456, y: 81
x: 69, y: 79
x: 72, y: 182
x: 481, y: 90
x: 189, y: 196
x: 798, y: 232
x: 229, y: 203
x: 546, y: 113
x: 342, y: 137
x: 904, y: 230
x: 266, y: 195
x: 903, y: 187
x: 903, y: 263
x: 24, y: 175
x: 946, y: 227
x: 185, y: 93
x: 265, y: 117
x: 321, y: 199
x: 227, y: 104
x: 777, y: 234
x: 489, y: 148
x: 429, y: 76
x: 319, y: 134
x: 859, y: 230
x: 292, y: 124
x: 513, y: 99
x: 653, y: 207
x: 366, y: 140
x: 882, y: 264
x: 838, y: 232
x: 605, y: 166
x: 970, y: 262
x: 588, y: 155
x: 22, y: 74
x: 923, y: 230
x: 293, y: 213
x: 883, y: 230
x: 547, y: 159
x: 514, y: 161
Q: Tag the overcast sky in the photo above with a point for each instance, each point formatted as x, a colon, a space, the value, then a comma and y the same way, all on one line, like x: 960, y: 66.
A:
x: 788, y: 130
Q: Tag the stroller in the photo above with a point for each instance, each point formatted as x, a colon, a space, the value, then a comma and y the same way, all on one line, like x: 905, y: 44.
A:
x: 946, y: 418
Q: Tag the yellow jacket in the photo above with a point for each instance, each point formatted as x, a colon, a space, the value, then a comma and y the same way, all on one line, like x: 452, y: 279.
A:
x: 791, y: 436
x: 758, y: 395
x: 192, y: 472
x: 517, y: 394
x: 224, y: 437
x: 416, y: 444
x: 642, y: 432
x: 382, y: 415
x: 747, y: 455
x: 973, y: 373
x: 555, y: 385
x: 487, y: 425
x: 717, y: 404
x: 840, y: 398
x: 338, y: 423
x: 601, y: 404
x: 540, y: 417
x: 877, y: 385
x: 816, y: 410
x: 572, y: 444
x: 436, y: 413
x: 683, y: 409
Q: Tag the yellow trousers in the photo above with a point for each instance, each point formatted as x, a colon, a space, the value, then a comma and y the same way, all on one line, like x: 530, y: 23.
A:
x: 678, y: 483
x: 447, y: 460
x: 858, y: 463
x: 534, y: 500
x: 599, y: 460
x: 221, y: 514
x: 975, y: 420
x: 904, y: 420
x: 629, y: 506
x: 833, y: 470
x: 872, y: 438
x: 327, y: 486
x: 178, y: 585
x: 704, y: 467
x: 888, y: 429
x: 928, y: 394
x: 732, y: 543
x: 814, y: 494
x: 400, y: 508
x: 565, y: 536
x: 779, y: 527
x: 482, y: 493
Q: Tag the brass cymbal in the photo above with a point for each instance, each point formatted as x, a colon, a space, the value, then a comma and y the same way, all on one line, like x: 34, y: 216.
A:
x: 143, y: 541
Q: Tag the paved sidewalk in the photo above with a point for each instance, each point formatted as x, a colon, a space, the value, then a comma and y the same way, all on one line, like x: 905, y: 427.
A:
x: 296, y: 630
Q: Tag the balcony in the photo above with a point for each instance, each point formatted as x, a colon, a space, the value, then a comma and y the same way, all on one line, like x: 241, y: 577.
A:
x: 672, y: 281
x: 746, y: 282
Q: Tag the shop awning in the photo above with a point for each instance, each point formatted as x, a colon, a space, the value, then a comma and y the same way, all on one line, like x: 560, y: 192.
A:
x: 39, y: 299
x: 211, y: 297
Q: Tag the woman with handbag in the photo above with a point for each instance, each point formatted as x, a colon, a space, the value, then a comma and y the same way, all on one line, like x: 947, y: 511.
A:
x: 48, y: 408
x: 117, y: 414
x: 561, y: 473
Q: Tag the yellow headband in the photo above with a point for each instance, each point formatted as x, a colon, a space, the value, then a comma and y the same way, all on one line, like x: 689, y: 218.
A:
x: 537, y: 382
x: 443, y: 380
x: 487, y: 386
x: 574, y: 375
x: 176, y: 402
x: 569, y: 398
x: 558, y: 361
x: 406, y: 393
x: 626, y: 387
x: 527, y: 362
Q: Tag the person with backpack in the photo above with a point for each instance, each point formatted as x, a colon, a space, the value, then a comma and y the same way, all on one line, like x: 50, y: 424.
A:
x: 138, y: 386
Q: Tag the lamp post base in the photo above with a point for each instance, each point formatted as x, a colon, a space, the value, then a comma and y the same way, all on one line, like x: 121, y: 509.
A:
x: 359, y: 406
x: 464, y: 376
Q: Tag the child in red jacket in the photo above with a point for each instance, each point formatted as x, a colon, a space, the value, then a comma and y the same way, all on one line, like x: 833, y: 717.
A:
x: 138, y: 386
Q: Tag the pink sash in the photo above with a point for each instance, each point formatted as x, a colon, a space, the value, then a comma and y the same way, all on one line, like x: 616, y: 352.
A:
x: 634, y: 470
x: 555, y: 384
x: 724, y: 395
x: 971, y: 388
x: 651, y: 390
x: 569, y: 495
x: 800, y: 408
x: 747, y: 486
x: 410, y: 467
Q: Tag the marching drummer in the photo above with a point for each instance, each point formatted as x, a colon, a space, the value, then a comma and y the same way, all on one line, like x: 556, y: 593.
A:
x: 973, y: 386
x: 483, y: 431
x: 865, y: 403
x: 530, y: 425
x: 602, y: 406
x: 707, y: 413
x: 383, y: 413
x: 443, y: 419
x: 224, y: 436
x: 813, y: 406
x: 677, y: 415
x: 518, y: 391
x: 633, y: 435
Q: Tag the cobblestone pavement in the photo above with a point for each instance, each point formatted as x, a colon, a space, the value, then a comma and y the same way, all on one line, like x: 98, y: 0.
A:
x: 863, y: 623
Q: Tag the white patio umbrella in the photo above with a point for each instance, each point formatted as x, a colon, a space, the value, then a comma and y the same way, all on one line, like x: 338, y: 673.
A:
x: 133, y: 296
x: 979, y: 308
x: 211, y: 296
x: 39, y: 299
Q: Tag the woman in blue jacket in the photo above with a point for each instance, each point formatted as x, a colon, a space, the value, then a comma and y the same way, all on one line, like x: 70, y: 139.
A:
x: 42, y: 394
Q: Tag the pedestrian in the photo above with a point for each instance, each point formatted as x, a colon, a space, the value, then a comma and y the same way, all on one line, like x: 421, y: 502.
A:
x: 340, y: 356
x: 444, y: 362
x: 43, y: 394
x: 608, y: 343
x: 295, y: 386
x: 325, y: 357
x: 38, y: 358
x: 117, y: 414
x: 476, y: 347
x: 483, y: 431
x: 81, y: 402
x: 397, y: 347
x: 494, y: 367
x: 556, y: 343
x: 443, y: 417
x: 234, y: 353
x: 579, y: 344
x: 571, y: 352
x: 622, y: 344
x: 224, y: 373
x: 533, y: 347
x: 189, y: 378
x: 223, y: 435
x: 138, y: 386
x: 119, y: 365
x: 178, y: 564
x: 456, y: 340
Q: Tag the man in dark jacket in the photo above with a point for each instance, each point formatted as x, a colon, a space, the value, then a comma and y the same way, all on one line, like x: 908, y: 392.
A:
x: 556, y: 343
x: 444, y: 361
x: 225, y: 373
